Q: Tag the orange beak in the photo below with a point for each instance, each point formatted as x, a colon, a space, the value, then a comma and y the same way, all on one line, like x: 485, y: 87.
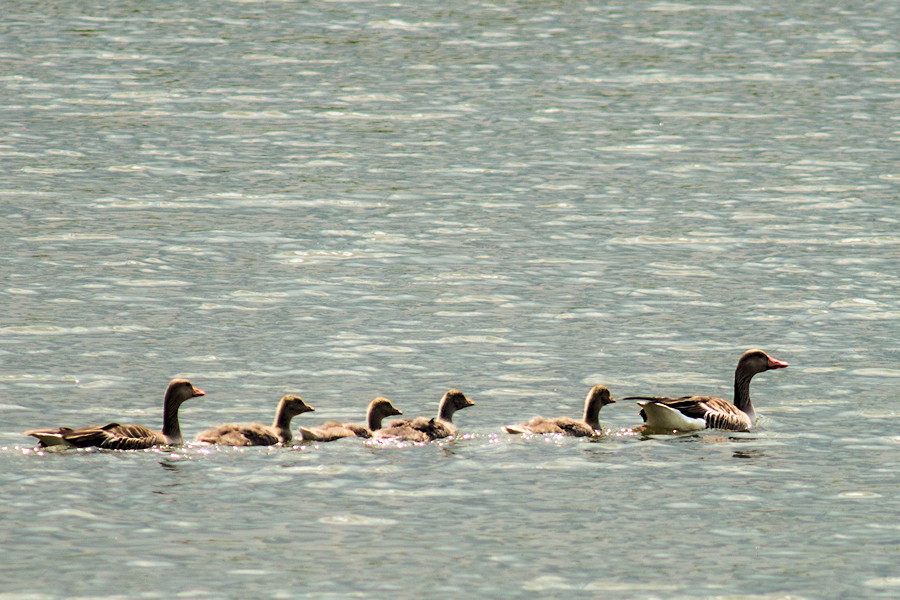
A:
x: 774, y: 363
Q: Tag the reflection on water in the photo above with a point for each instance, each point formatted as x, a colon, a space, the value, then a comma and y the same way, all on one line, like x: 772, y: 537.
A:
x: 750, y: 454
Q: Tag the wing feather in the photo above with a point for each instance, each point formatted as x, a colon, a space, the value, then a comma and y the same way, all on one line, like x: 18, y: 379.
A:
x: 235, y: 434
x: 716, y: 412
x: 114, y: 436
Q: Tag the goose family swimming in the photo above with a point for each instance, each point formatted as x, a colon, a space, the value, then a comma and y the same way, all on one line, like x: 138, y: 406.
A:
x: 597, y: 397
x: 257, y: 434
x: 115, y: 436
x: 425, y: 429
x: 378, y: 409
x: 662, y: 414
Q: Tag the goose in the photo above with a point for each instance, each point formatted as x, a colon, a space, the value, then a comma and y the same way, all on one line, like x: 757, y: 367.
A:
x: 257, y: 434
x: 115, y: 436
x: 425, y: 429
x: 589, y: 426
x: 378, y: 409
x: 693, y: 413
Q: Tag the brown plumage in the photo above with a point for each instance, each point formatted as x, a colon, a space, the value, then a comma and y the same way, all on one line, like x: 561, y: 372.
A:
x: 257, y: 434
x: 662, y: 414
x: 597, y: 397
x: 378, y: 409
x: 115, y: 436
x: 425, y: 429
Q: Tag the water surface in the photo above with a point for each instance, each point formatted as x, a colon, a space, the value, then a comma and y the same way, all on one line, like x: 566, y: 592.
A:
x: 350, y: 199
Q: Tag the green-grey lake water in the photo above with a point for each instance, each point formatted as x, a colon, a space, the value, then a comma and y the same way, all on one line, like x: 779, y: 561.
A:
x: 345, y: 199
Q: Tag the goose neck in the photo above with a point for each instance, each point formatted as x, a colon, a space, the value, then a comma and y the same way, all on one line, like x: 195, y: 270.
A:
x: 171, y: 426
x: 374, y: 419
x: 742, y: 392
x: 282, y: 424
x: 592, y: 416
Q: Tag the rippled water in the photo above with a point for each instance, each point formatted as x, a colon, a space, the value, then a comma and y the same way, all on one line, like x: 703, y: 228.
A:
x: 350, y: 199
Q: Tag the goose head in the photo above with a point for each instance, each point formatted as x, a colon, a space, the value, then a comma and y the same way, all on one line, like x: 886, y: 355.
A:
x: 597, y: 397
x: 291, y: 406
x: 756, y: 361
x: 179, y: 391
x: 379, y: 408
x: 451, y: 402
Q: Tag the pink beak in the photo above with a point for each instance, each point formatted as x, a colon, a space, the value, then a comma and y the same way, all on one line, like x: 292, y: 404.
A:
x: 774, y: 363
x: 199, y: 392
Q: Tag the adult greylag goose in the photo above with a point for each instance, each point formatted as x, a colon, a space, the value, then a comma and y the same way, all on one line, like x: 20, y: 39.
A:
x: 589, y: 426
x: 115, y: 436
x: 378, y: 409
x: 257, y: 434
x: 425, y: 429
x: 692, y: 413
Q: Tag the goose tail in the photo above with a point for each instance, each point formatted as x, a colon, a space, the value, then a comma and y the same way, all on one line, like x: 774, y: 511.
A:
x: 308, y: 435
x: 49, y: 437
